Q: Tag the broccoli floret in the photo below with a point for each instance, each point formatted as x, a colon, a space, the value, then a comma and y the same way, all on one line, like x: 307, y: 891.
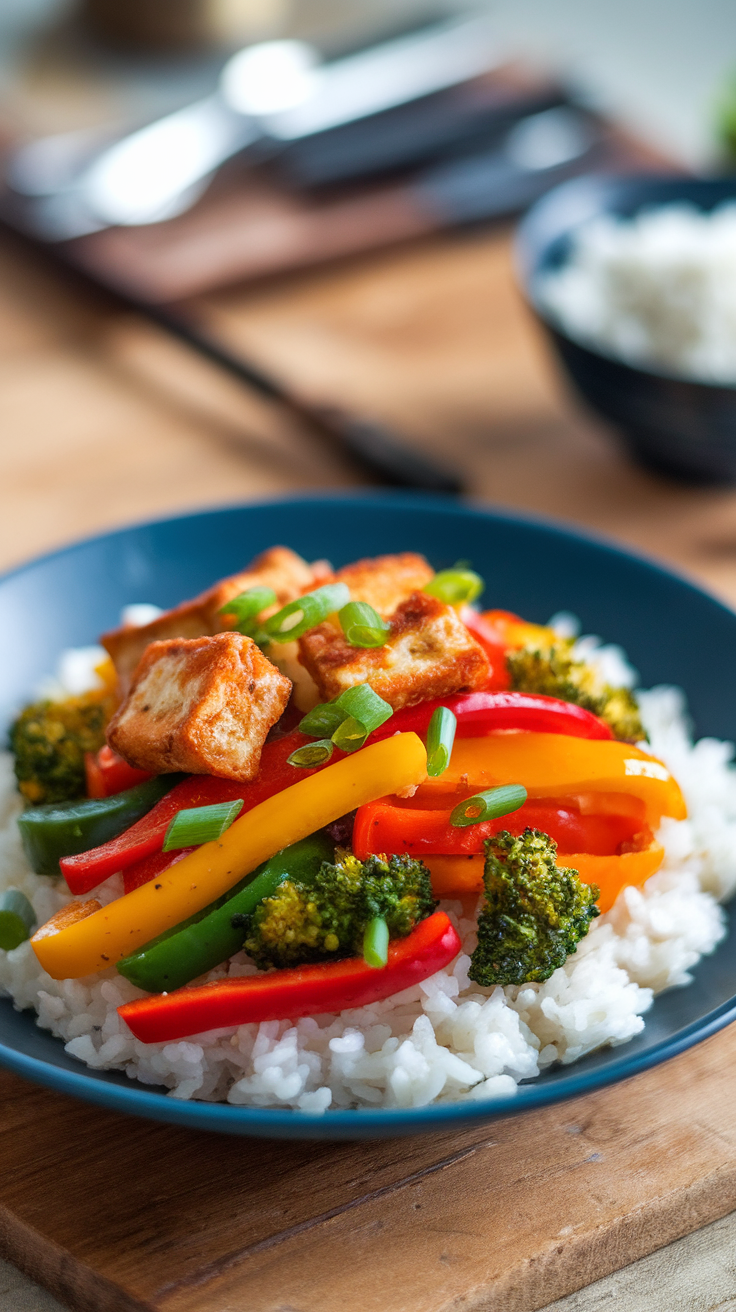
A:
x: 327, y: 917
x: 49, y: 740
x: 535, y: 913
x: 551, y: 670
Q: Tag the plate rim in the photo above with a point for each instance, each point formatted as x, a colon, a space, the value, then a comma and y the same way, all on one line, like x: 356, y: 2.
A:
x: 230, y: 1118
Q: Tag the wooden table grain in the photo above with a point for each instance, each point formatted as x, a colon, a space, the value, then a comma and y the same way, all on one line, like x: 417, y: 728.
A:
x: 103, y: 420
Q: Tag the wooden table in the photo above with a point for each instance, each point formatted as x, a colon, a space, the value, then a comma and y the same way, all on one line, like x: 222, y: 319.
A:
x: 103, y: 420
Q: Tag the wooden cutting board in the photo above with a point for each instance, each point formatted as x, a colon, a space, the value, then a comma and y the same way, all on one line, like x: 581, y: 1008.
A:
x: 104, y: 421
x: 115, y: 1214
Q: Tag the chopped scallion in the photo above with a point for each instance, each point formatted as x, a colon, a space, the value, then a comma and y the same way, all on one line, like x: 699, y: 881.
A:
x: 375, y: 943
x: 456, y: 587
x: 363, y: 626
x: 17, y: 919
x: 364, y: 705
x: 440, y: 739
x: 247, y: 607
x: 201, y: 824
x: 311, y: 754
x: 305, y: 612
x: 350, y: 735
x: 322, y: 721
x: 489, y: 805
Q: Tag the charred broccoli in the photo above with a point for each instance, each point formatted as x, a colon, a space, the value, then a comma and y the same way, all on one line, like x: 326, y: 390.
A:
x: 327, y: 917
x: 49, y: 740
x: 553, y: 671
x: 535, y: 913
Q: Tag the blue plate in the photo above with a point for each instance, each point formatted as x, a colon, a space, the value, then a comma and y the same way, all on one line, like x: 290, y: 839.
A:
x: 673, y: 632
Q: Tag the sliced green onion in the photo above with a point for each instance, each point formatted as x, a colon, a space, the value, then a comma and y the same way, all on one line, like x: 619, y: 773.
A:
x: 350, y: 735
x: 17, y: 919
x: 456, y: 587
x: 364, y: 705
x: 363, y: 626
x: 201, y: 824
x: 440, y: 738
x: 247, y: 607
x: 305, y: 612
x: 489, y: 805
x: 322, y: 721
x: 311, y: 754
x: 375, y: 943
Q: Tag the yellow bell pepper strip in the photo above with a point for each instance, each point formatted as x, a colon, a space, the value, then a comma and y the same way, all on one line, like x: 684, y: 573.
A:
x: 103, y: 938
x: 66, y: 916
x: 555, y: 765
x: 462, y: 876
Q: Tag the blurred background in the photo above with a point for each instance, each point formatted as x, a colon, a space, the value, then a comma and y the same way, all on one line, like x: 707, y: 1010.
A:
x: 370, y: 276
x: 662, y: 67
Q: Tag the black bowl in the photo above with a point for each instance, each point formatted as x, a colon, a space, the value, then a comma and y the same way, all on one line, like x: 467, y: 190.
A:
x: 674, y: 425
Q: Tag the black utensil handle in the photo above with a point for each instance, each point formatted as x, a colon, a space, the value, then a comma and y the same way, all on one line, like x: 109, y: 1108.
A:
x: 368, y: 444
x: 382, y: 454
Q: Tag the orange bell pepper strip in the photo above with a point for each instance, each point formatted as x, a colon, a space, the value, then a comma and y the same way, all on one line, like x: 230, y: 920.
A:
x: 104, y: 937
x: 462, y: 876
x: 612, y: 873
x: 554, y: 765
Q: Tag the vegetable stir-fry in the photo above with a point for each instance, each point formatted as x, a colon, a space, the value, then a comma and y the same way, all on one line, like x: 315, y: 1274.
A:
x: 300, y: 763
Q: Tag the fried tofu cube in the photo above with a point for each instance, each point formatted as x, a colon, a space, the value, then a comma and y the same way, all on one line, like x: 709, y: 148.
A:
x: 429, y: 653
x: 385, y: 581
x: 202, y: 705
x: 279, y: 568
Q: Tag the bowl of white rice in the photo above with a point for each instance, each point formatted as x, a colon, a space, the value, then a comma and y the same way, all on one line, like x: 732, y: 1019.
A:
x: 655, y: 974
x: 634, y: 280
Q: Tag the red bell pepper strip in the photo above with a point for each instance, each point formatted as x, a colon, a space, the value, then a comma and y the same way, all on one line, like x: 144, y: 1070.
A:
x: 383, y: 827
x: 142, y: 872
x: 107, y: 773
x: 142, y: 839
x: 479, y: 713
x: 493, y: 646
x: 288, y: 994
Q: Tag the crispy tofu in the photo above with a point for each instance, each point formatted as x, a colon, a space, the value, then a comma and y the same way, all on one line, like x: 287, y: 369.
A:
x: 385, y: 581
x: 280, y: 569
x: 202, y: 705
x: 430, y: 653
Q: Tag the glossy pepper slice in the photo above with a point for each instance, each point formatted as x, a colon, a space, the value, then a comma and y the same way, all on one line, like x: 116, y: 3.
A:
x: 50, y: 833
x: 555, y: 765
x: 479, y: 713
x: 492, y: 644
x: 142, y: 872
x: 209, y: 938
x: 107, y: 773
x: 87, y: 870
x: 383, y: 827
x: 121, y: 927
x: 287, y: 994
x: 462, y: 876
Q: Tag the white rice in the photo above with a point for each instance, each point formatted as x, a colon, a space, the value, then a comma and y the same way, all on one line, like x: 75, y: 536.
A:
x: 446, y: 1039
x: 656, y: 290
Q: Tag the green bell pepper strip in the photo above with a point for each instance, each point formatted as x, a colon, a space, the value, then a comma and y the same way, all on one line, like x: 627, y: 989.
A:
x: 65, y: 828
x: 17, y: 919
x: 203, y: 942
